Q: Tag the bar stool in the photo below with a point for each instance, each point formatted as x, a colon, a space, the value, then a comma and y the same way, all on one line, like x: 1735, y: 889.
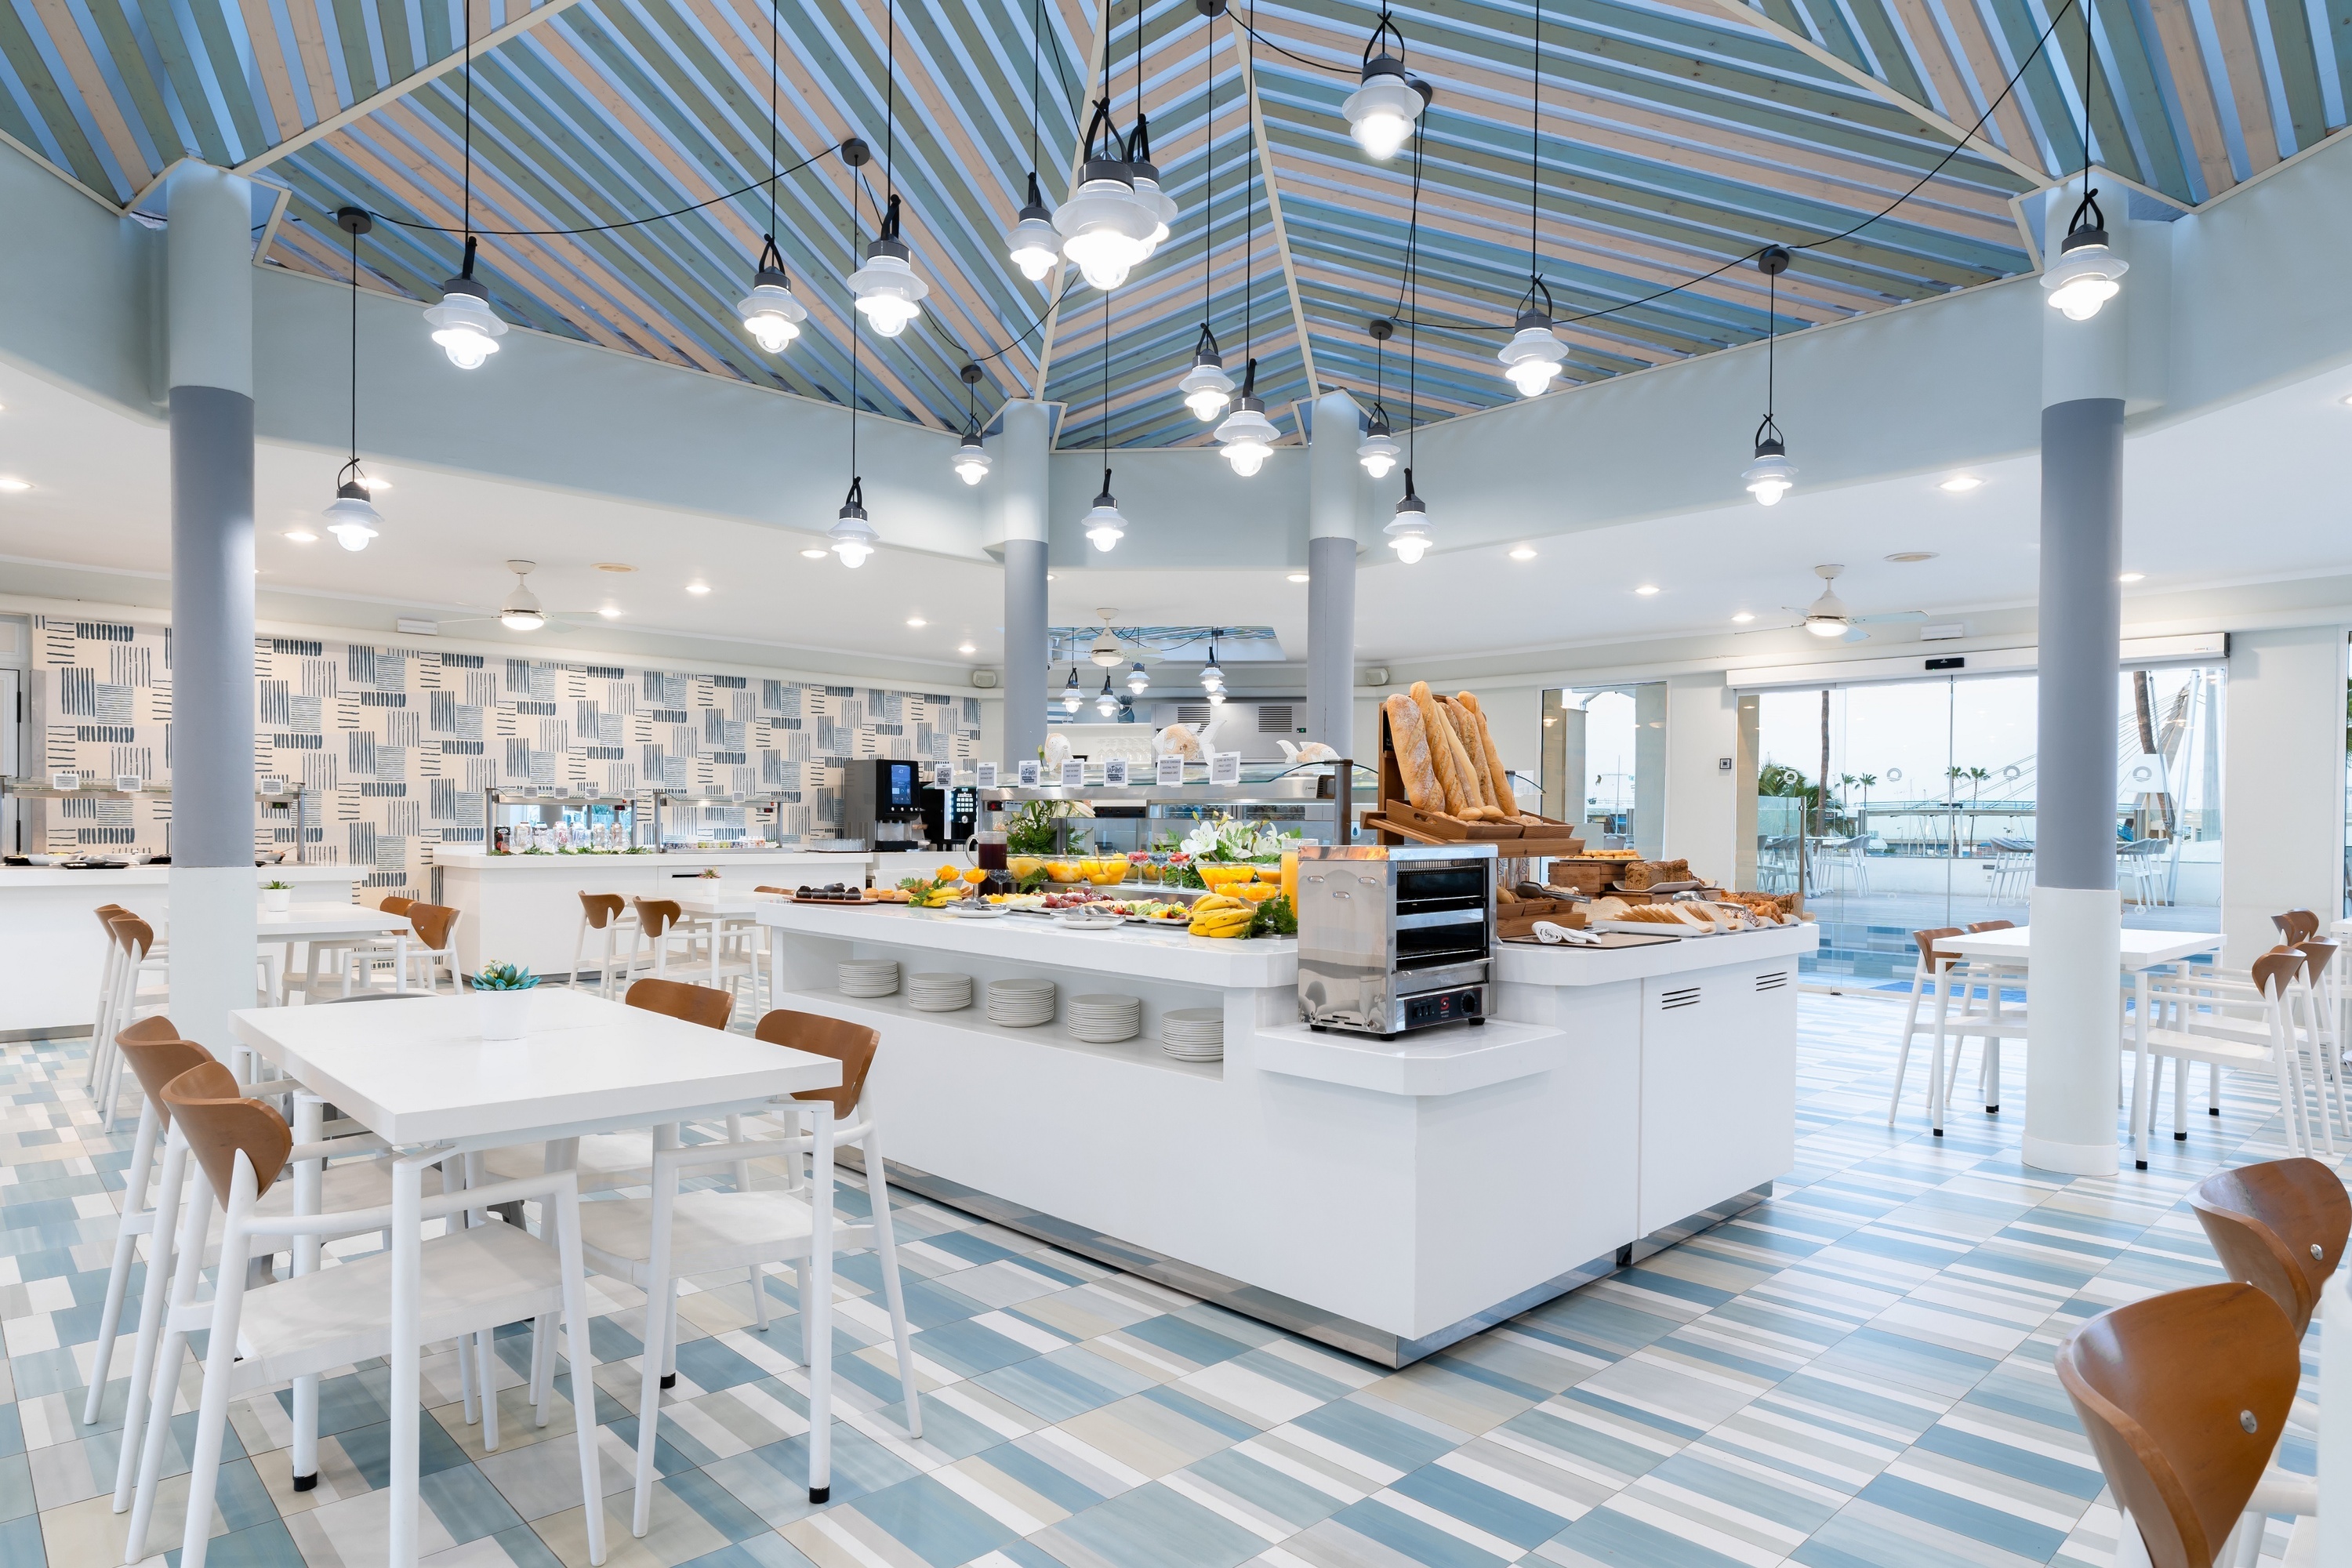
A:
x: 608, y: 913
x: 141, y: 958
x: 101, y: 1032
x: 654, y: 1242
x: 473, y: 1279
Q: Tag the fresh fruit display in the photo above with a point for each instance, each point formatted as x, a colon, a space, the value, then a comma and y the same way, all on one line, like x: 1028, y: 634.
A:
x: 935, y: 893
x: 1218, y: 915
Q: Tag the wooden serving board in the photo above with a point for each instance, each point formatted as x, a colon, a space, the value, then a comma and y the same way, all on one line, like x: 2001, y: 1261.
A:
x: 1659, y: 886
x: 1609, y: 939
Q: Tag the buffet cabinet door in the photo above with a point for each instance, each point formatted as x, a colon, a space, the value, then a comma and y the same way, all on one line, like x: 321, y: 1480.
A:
x: 1718, y: 1088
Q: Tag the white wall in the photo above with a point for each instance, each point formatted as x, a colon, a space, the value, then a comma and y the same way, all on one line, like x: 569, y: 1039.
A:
x: 2282, y: 781
x: 1702, y: 797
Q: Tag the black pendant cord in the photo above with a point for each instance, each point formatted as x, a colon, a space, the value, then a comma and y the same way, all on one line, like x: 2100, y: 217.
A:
x: 775, y: 71
x: 1772, y: 341
x: 1036, y: 47
x: 355, y: 353
x: 849, y: 207
x: 1412, y: 321
x: 1249, y: 197
x: 1534, y: 143
x: 1105, y: 389
x: 1209, y: 186
x: 890, y: 97
x: 468, y: 7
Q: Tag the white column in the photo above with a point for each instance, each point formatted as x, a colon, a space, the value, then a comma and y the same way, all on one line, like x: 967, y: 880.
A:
x: 1023, y: 496
x: 2072, y: 1056
x: 1702, y: 800
x: 208, y: 258
x: 2282, y: 812
x: 1335, y: 495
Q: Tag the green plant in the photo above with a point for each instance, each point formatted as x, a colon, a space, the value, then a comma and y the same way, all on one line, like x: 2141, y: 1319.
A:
x: 1780, y: 779
x: 1030, y: 830
x: 1274, y: 917
x: 504, y: 977
x: 277, y: 887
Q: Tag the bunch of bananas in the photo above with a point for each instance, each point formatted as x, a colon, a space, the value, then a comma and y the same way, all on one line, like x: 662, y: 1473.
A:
x: 1221, y: 914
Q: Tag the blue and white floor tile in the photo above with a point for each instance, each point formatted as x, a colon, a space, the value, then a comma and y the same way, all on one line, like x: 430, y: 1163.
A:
x: 1855, y: 1375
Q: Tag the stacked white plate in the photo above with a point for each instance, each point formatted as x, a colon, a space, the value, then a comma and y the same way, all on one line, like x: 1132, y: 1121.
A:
x: 868, y: 976
x: 939, y: 993
x: 1193, y: 1034
x: 1106, y: 1020
x: 1021, y: 1004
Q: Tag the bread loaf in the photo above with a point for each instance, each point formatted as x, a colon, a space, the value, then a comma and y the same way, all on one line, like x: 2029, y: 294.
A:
x: 1473, y: 756
x: 1459, y: 792
x: 1495, y: 768
x: 1410, y: 738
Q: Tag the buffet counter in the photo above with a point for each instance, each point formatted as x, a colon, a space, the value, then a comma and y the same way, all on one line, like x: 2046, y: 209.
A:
x: 55, y: 949
x: 1388, y: 1196
x: 525, y: 909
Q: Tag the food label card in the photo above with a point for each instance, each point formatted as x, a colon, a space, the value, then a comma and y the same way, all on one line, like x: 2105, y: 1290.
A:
x: 1027, y: 775
x: 1171, y: 769
x: 1114, y: 774
x: 128, y: 783
x: 944, y: 775
x: 1225, y: 768
x: 1073, y: 775
x: 65, y: 780
x: 985, y: 776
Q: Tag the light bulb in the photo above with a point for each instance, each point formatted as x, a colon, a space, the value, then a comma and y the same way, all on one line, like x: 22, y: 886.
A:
x: 1105, y: 229
x: 1246, y: 456
x: 1407, y: 532
x: 2083, y: 278
x: 1532, y: 357
x: 1381, y: 111
x: 1207, y: 389
x: 522, y: 620
x: 971, y: 460
x: 853, y: 555
x: 1246, y: 437
x: 351, y: 518
x: 464, y: 324
x: 852, y: 535
x: 1217, y: 696
x: 1105, y: 528
x: 770, y: 315
x: 1378, y: 450
x: 1820, y: 628
x: 1103, y: 256
x: 1409, y: 548
x: 1772, y: 475
x: 887, y: 288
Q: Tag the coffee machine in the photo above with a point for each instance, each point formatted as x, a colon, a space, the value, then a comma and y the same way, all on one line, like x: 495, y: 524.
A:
x: 882, y: 803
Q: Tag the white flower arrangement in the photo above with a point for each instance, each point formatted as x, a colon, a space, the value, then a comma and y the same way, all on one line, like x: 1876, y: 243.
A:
x: 1221, y: 838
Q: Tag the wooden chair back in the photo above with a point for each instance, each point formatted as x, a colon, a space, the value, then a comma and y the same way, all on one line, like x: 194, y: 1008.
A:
x: 2275, y: 971
x: 135, y: 935
x: 157, y: 1055
x: 850, y: 1045
x: 601, y: 910
x: 433, y: 924
x: 2296, y: 925
x: 393, y: 904
x: 2280, y: 1227
x: 1927, y: 941
x: 2316, y: 957
x: 217, y: 1123
x: 657, y: 915
x: 675, y: 999
x: 1991, y: 925
x: 2183, y: 1396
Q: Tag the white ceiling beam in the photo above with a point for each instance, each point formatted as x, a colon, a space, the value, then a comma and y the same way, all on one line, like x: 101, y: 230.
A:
x: 1274, y: 212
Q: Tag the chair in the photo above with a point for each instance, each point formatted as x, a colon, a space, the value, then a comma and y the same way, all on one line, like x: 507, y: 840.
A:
x: 101, y: 1036
x: 654, y: 1242
x: 2183, y: 1396
x: 2296, y: 926
x: 608, y: 913
x: 472, y: 1279
x: 1926, y: 975
x: 2142, y: 864
x: 432, y: 949
x: 138, y: 958
x: 2213, y: 1021
x: 2000, y: 1023
x: 2280, y: 1227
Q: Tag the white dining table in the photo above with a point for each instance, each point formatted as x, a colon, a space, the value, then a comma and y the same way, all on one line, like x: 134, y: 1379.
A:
x: 2144, y: 950
x: 314, y: 923
x: 417, y: 1073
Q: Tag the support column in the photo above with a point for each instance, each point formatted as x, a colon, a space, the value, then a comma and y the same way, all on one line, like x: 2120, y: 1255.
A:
x: 2073, y: 1054
x: 209, y: 265
x: 1023, y: 466
x: 1335, y: 494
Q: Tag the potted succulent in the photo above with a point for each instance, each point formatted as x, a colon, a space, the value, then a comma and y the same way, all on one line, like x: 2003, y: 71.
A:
x: 276, y: 897
x: 502, y: 1000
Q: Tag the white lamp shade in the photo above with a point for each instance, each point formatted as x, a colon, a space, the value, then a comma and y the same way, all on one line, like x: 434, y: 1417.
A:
x: 354, y: 521
x: 973, y: 461
x: 1034, y: 246
x: 1247, y: 436
x: 771, y: 315
x: 1381, y: 114
x: 1105, y: 528
x: 1532, y: 358
x: 1106, y: 230
x: 2082, y: 278
x: 1160, y: 205
x: 466, y: 327
x: 888, y: 291
x: 1378, y: 454
x: 1769, y: 478
x: 1207, y: 390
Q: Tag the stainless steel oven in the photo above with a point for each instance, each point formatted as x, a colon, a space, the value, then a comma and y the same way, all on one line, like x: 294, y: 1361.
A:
x: 1394, y: 939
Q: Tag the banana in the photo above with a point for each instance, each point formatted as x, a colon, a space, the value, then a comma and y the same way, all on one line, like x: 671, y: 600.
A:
x: 1217, y: 901
x: 1222, y: 923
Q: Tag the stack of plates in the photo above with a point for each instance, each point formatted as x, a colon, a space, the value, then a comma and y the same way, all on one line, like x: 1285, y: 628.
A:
x: 939, y: 993
x: 1193, y: 1034
x: 1020, y: 1003
x: 1106, y: 1020
x: 868, y: 976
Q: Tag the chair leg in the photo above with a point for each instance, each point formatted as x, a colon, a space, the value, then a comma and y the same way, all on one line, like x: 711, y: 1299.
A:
x: 583, y: 1387
x: 117, y: 1276
x: 886, y: 1247
x: 760, y: 1298
x: 188, y: 1265
x: 648, y: 1401
x: 1902, y: 1054
x: 212, y: 1410
x: 487, y: 1378
x: 2180, y: 1100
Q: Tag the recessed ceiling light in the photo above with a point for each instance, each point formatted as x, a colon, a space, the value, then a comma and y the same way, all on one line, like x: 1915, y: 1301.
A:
x: 1908, y: 557
x: 1743, y: 616
x: 966, y: 647
x: 698, y: 587
x: 1960, y: 484
x: 917, y: 621
x: 815, y: 554
x: 611, y: 612
x: 1296, y: 577
x: 2133, y: 577
x: 302, y: 536
x: 614, y: 566
x: 1523, y: 553
x: 13, y: 485
x: 1646, y: 589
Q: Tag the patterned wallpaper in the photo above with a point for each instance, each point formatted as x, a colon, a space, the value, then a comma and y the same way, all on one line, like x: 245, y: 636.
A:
x: 394, y: 744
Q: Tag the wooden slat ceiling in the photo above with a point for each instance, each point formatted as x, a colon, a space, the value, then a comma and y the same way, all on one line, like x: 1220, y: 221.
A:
x: 1676, y: 136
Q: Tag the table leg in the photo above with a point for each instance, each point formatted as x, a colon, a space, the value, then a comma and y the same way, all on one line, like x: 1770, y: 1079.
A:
x: 2143, y: 1091
x: 1935, y: 1071
x: 400, y: 963
x: 407, y: 1269
x: 816, y: 1306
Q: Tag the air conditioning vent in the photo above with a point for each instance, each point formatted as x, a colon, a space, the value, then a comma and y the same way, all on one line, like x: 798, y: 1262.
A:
x: 1193, y: 713
x: 1772, y: 980
x: 1276, y: 718
x: 1685, y: 997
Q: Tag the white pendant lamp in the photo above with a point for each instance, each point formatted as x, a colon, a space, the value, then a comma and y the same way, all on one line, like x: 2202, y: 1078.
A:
x: 853, y: 536
x: 1105, y: 229
x: 1138, y: 682
x: 352, y: 517
x: 1106, y: 704
x: 1378, y: 450
x: 1772, y: 475
x: 519, y: 611
x: 1247, y: 436
x: 1071, y: 696
x: 1207, y: 389
x: 1144, y: 174
x: 1382, y: 109
x: 770, y: 315
x: 1211, y: 678
x: 2087, y: 273
x: 1407, y: 532
x: 463, y: 324
x: 1104, y: 525
x: 1531, y: 359
x: 888, y: 293
x: 971, y: 460
x: 1033, y: 243
x: 1217, y: 696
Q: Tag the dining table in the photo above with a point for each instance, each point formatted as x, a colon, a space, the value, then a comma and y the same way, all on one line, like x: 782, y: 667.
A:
x: 2144, y: 950
x: 318, y: 925
x: 415, y: 1072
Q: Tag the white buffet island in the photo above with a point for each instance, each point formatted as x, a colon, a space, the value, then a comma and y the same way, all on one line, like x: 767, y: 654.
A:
x: 56, y: 948
x: 525, y: 909
x: 1386, y: 1196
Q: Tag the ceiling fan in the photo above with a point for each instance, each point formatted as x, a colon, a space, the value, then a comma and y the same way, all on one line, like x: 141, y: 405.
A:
x: 1827, y: 617
x: 520, y: 610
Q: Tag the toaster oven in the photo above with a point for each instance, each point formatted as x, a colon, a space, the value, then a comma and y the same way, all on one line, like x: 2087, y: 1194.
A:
x: 1392, y: 939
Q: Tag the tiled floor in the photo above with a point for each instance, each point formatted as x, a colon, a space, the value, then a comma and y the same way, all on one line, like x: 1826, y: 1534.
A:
x: 1856, y: 1373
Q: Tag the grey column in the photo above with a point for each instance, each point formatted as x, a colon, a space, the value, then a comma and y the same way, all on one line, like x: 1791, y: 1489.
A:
x: 1337, y: 489
x: 208, y: 258
x: 2072, y: 1051
x: 1023, y: 466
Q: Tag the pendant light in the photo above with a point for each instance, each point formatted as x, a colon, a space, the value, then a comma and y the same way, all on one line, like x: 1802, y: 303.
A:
x: 1032, y: 242
x: 770, y: 313
x: 1104, y: 228
x: 1772, y: 475
x: 352, y: 517
x: 2086, y: 275
x: 463, y: 324
x: 1246, y: 437
x: 1532, y: 357
x: 1137, y: 681
x: 972, y: 458
x: 1071, y: 695
x: 1211, y: 678
x: 1378, y: 450
x: 1407, y: 532
x: 888, y: 293
x: 1383, y: 110
x: 852, y: 535
x: 1145, y: 174
x: 1105, y: 528
x: 1206, y: 388
x: 1107, y: 703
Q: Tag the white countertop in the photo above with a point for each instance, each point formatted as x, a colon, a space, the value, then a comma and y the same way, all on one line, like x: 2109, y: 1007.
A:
x: 1518, y: 963
x: 1148, y: 952
x: 678, y: 860
x: 156, y: 875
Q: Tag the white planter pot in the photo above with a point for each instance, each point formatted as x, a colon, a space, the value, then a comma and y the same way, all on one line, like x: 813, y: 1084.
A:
x: 276, y: 900
x: 502, y: 1015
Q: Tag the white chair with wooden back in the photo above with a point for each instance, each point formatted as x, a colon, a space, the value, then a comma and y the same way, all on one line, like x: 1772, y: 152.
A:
x: 2264, y: 1034
x: 608, y: 915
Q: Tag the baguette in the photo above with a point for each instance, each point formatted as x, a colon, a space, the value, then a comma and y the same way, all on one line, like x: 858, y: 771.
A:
x: 1458, y: 792
x: 1501, y: 774
x: 1465, y: 730
x: 1410, y: 739
x: 1465, y: 767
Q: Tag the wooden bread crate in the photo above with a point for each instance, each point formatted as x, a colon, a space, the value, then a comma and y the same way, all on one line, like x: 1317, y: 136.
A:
x: 1587, y: 876
x: 1445, y: 827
